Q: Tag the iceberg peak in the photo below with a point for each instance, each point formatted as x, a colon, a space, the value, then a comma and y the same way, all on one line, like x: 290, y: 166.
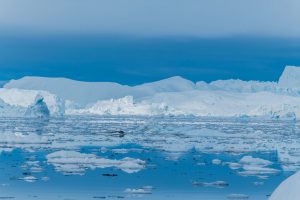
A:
x: 290, y: 78
x: 172, y: 84
x: 38, y: 109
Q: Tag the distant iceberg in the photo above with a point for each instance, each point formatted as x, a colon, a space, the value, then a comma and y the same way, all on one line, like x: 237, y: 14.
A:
x: 84, y: 93
x: 38, y: 109
x: 20, y: 100
x: 290, y: 78
x: 172, y: 96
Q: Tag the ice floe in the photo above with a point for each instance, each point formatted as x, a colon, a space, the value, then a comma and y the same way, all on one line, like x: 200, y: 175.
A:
x: 250, y: 166
x: 216, y: 184
x: 72, y: 162
x: 142, y: 190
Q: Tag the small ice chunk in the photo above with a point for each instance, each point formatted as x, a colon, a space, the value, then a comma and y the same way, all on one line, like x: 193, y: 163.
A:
x: 216, y: 184
x: 29, y: 179
x: 216, y: 161
x: 142, y: 190
x: 237, y: 196
x: 249, y: 160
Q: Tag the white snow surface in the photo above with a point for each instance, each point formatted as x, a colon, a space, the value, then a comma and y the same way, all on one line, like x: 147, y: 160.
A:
x: 172, y: 96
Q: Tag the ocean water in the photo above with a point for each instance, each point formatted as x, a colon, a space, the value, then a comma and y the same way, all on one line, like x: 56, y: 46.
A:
x: 134, y: 60
x: 86, y: 157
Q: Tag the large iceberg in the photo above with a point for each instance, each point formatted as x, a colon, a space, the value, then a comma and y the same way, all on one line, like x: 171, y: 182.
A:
x: 22, y: 99
x: 200, y: 103
x: 290, y: 78
x: 38, y: 109
x: 84, y: 93
x: 172, y: 96
x: 72, y: 162
x: 236, y: 85
x: 288, y: 189
x: 121, y: 106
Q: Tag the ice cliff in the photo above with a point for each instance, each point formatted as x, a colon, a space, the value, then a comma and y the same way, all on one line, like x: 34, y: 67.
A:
x: 172, y: 96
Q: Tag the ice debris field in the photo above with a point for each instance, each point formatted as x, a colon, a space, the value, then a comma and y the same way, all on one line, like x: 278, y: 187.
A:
x: 175, y: 96
x: 170, y: 139
x: 134, y: 157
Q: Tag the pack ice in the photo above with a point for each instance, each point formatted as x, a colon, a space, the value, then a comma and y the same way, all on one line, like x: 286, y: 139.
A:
x: 172, y: 96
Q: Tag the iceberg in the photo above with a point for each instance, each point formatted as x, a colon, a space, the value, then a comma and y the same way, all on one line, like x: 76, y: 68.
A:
x: 84, y: 93
x: 38, y: 109
x: 288, y: 189
x: 172, y: 96
x: 236, y: 85
x: 290, y: 78
x: 20, y: 100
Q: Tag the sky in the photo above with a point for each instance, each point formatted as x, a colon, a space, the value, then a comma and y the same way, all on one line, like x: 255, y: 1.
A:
x: 136, y: 41
x: 206, y: 18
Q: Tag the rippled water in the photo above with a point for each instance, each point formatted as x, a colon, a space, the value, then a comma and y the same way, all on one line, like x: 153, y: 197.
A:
x: 145, y: 158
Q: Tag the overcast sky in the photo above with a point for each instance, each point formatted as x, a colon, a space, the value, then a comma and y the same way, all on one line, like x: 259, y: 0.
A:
x: 204, y: 18
x: 127, y: 41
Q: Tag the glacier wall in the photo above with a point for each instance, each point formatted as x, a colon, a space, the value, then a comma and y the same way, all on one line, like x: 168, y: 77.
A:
x: 172, y: 96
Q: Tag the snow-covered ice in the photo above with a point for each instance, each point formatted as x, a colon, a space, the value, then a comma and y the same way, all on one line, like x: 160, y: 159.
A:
x: 142, y: 190
x: 172, y: 96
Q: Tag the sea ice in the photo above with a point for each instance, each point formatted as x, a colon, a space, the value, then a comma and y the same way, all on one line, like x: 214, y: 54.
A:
x: 72, y: 162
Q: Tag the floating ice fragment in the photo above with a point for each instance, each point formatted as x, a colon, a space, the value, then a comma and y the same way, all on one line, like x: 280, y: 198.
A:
x: 249, y: 160
x: 72, y: 162
x: 29, y: 179
x: 38, y: 109
x: 142, y: 190
x: 237, y: 196
x: 216, y: 184
x: 216, y: 161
